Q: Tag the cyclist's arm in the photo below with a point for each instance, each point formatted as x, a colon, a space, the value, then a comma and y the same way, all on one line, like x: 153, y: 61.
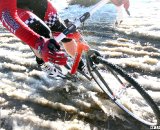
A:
x: 14, y: 24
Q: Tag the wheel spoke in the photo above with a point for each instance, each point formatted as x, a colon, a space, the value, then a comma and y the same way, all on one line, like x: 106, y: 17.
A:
x: 126, y: 92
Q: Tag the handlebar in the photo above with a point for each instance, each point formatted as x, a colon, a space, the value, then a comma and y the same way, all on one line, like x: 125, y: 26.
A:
x: 80, y: 20
x: 81, y: 46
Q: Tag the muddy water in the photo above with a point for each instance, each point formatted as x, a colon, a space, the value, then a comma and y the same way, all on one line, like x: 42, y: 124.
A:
x: 29, y: 100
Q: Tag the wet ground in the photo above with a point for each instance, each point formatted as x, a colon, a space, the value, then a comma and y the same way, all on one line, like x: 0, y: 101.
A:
x: 30, y: 100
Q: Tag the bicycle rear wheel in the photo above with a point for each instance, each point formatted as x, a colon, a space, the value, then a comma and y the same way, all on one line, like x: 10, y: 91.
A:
x: 124, y: 91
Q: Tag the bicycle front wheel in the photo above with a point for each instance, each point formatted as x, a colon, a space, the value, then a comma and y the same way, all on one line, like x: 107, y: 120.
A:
x: 125, y: 91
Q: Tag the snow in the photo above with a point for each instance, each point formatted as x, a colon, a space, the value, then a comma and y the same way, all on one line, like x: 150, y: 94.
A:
x: 30, y: 100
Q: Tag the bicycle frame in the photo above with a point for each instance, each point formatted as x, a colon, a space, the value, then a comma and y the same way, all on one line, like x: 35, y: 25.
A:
x: 81, y: 43
x: 82, y: 46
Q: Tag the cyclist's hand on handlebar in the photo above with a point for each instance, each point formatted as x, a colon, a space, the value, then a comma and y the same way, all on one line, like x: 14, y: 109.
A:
x: 50, y: 51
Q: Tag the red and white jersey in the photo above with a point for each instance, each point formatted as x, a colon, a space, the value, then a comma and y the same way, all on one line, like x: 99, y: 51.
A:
x: 10, y: 19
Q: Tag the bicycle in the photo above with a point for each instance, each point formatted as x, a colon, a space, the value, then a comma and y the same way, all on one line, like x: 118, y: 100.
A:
x: 113, y: 80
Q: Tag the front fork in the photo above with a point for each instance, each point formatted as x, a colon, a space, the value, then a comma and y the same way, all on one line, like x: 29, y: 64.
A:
x: 93, y: 55
x: 92, y: 59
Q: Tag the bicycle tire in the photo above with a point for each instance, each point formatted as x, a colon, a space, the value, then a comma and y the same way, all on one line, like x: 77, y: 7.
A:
x: 118, y: 71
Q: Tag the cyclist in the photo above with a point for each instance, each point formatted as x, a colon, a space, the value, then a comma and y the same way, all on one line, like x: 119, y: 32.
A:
x: 119, y: 4
x: 125, y: 4
x: 34, y: 22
